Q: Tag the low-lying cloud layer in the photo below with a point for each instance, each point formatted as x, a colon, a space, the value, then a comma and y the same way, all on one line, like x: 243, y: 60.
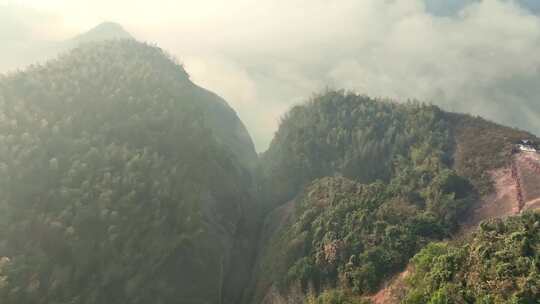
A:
x: 480, y: 57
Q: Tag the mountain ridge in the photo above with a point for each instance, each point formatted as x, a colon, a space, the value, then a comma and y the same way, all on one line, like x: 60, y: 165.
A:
x: 104, y: 31
x: 125, y: 182
x: 448, y: 150
x: 134, y: 183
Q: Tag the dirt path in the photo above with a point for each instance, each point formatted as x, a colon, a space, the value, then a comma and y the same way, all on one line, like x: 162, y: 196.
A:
x: 393, y: 291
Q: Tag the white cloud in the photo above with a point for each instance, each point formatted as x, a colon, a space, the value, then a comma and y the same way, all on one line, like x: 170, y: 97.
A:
x: 263, y: 56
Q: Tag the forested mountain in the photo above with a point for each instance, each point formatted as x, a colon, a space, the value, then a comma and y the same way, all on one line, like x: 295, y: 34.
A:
x: 398, y: 192
x: 355, y: 136
x: 363, y: 185
x: 121, y: 182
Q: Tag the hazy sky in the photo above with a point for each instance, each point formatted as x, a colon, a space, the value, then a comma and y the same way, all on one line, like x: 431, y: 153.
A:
x: 263, y: 56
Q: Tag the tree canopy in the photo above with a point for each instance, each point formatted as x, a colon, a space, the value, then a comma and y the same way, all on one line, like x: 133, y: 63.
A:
x: 118, y: 182
x: 394, y: 191
x: 500, y: 263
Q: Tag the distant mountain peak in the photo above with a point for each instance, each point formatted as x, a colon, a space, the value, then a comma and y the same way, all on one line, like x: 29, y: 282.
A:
x: 109, y: 26
x: 103, y: 31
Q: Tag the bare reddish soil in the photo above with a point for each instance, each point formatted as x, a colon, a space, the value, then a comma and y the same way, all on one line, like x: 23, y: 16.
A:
x: 503, y: 202
x: 528, y: 165
x: 393, y: 291
x: 517, y: 189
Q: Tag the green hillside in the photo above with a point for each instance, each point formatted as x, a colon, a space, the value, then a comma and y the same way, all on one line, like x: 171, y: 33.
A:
x: 500, y: 263
x: 397, y: 193
x: 121, y: 182
x: 351, y: 135
x: 361, y: 186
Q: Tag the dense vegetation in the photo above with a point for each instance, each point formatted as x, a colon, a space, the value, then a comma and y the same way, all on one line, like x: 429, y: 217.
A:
x: 350, y: 135
x: 335, y: 296
x: 354, y: 234
x: 500, y: 264
x: 121, y: 182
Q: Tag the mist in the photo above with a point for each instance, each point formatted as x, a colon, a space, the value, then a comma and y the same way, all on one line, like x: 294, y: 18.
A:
x: 478, y: 57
